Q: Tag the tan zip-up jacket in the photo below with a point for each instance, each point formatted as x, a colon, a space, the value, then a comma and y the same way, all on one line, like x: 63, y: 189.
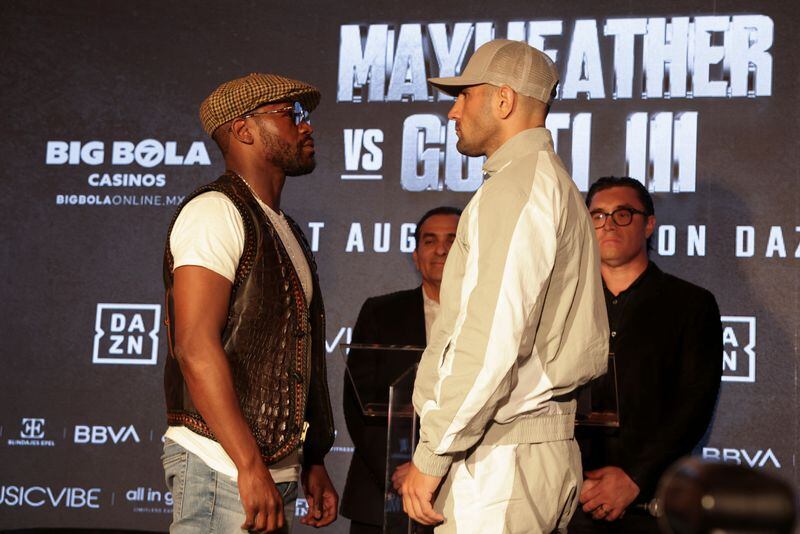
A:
x: 523, y: 319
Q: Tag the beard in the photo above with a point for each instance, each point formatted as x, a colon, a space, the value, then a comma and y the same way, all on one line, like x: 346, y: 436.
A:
x: 468, y: 149
x: 476, y: 132
x: 292, y: 158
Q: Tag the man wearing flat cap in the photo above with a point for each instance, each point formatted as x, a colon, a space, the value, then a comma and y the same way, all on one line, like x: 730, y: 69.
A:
x: 245, y: 381
x: 522, y: 321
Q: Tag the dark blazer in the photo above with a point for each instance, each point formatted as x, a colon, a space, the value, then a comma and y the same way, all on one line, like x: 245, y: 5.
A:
x: 668, y: 346
x: 393, y: 319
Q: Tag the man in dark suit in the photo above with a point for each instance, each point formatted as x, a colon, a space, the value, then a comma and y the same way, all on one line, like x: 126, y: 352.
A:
x: 401, y: 318
x: 666, y: 337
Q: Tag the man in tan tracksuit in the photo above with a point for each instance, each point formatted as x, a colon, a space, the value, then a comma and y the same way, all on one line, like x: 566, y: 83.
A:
x: 522, y: 321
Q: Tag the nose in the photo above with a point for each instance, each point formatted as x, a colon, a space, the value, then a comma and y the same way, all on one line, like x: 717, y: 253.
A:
x: 455, y: 110
x: 608, y: 224
x: 306, y: 126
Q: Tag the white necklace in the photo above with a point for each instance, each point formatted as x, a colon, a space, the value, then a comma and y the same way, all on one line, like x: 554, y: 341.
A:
x: 253, y: 191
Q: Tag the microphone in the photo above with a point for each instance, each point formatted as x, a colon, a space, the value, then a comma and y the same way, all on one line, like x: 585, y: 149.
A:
x: 700, y: 497
x: 652, y: 507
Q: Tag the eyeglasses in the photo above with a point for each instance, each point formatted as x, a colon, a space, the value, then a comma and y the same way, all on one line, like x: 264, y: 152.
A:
x: 620, y: 216
x: 299, y: 113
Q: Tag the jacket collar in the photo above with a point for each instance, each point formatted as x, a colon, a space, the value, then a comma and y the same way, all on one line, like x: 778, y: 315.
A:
x: 650, y: 274
x: 525, y: 142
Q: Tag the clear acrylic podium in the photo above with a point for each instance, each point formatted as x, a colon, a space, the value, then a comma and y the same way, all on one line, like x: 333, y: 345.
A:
x: 598, y: 406
x: 397, y: 411
x: 401, y: 440
x: 598, y: 401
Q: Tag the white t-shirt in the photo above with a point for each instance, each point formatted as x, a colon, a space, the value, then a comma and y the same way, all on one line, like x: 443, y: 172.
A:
x: 209, y: 233
x: 431, y: 309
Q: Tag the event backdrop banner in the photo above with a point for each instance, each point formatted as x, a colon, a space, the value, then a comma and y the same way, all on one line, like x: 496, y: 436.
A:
x: 102, y: 141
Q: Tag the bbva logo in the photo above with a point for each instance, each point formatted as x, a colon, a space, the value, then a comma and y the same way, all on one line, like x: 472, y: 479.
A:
x: 100, y: 435
x: 759, y: 458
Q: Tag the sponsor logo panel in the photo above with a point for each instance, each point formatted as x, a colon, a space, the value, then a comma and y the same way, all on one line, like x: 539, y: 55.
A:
x: 738, y: 346
x: 104, y: 435
x: 755, y: 458
x: 146, y: 500
x: 118, y: 170
x: 32, y: 433
x: 126, y: 334
x: 50, y: 497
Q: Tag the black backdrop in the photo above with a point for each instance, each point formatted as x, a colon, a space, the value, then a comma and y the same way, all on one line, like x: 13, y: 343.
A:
x: 101, y: 140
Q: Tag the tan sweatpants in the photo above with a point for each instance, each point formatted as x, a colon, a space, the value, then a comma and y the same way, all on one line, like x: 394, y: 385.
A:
x: 527, y: 488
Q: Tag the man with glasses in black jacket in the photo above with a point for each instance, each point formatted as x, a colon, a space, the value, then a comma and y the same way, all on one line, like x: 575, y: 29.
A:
x: 666, y: 336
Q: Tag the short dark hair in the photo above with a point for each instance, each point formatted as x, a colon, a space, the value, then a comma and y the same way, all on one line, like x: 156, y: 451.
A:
x: 221, y: 136
x: 607, y: 182
x: 441, y: 210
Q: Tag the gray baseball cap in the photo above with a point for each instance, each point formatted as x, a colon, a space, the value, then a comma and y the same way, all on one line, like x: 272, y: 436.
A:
x: 526, y: 70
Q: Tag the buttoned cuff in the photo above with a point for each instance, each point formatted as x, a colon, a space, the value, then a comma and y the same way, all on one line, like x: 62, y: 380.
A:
x: 436, y: 465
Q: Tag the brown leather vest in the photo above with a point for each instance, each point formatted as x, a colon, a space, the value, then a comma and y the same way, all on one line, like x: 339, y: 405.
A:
x: 274, y: 342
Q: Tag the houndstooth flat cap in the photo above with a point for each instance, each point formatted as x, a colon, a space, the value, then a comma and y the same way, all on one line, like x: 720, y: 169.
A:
x: 236, y: 97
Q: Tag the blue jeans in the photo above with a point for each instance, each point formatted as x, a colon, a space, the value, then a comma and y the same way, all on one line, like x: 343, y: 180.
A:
x: 204, y: 500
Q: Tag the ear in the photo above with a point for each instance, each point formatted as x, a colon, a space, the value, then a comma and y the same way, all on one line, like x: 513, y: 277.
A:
x: 416, y: 259
x: 241, y: 132
x: 650, y: 226
x: 505, y: 101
